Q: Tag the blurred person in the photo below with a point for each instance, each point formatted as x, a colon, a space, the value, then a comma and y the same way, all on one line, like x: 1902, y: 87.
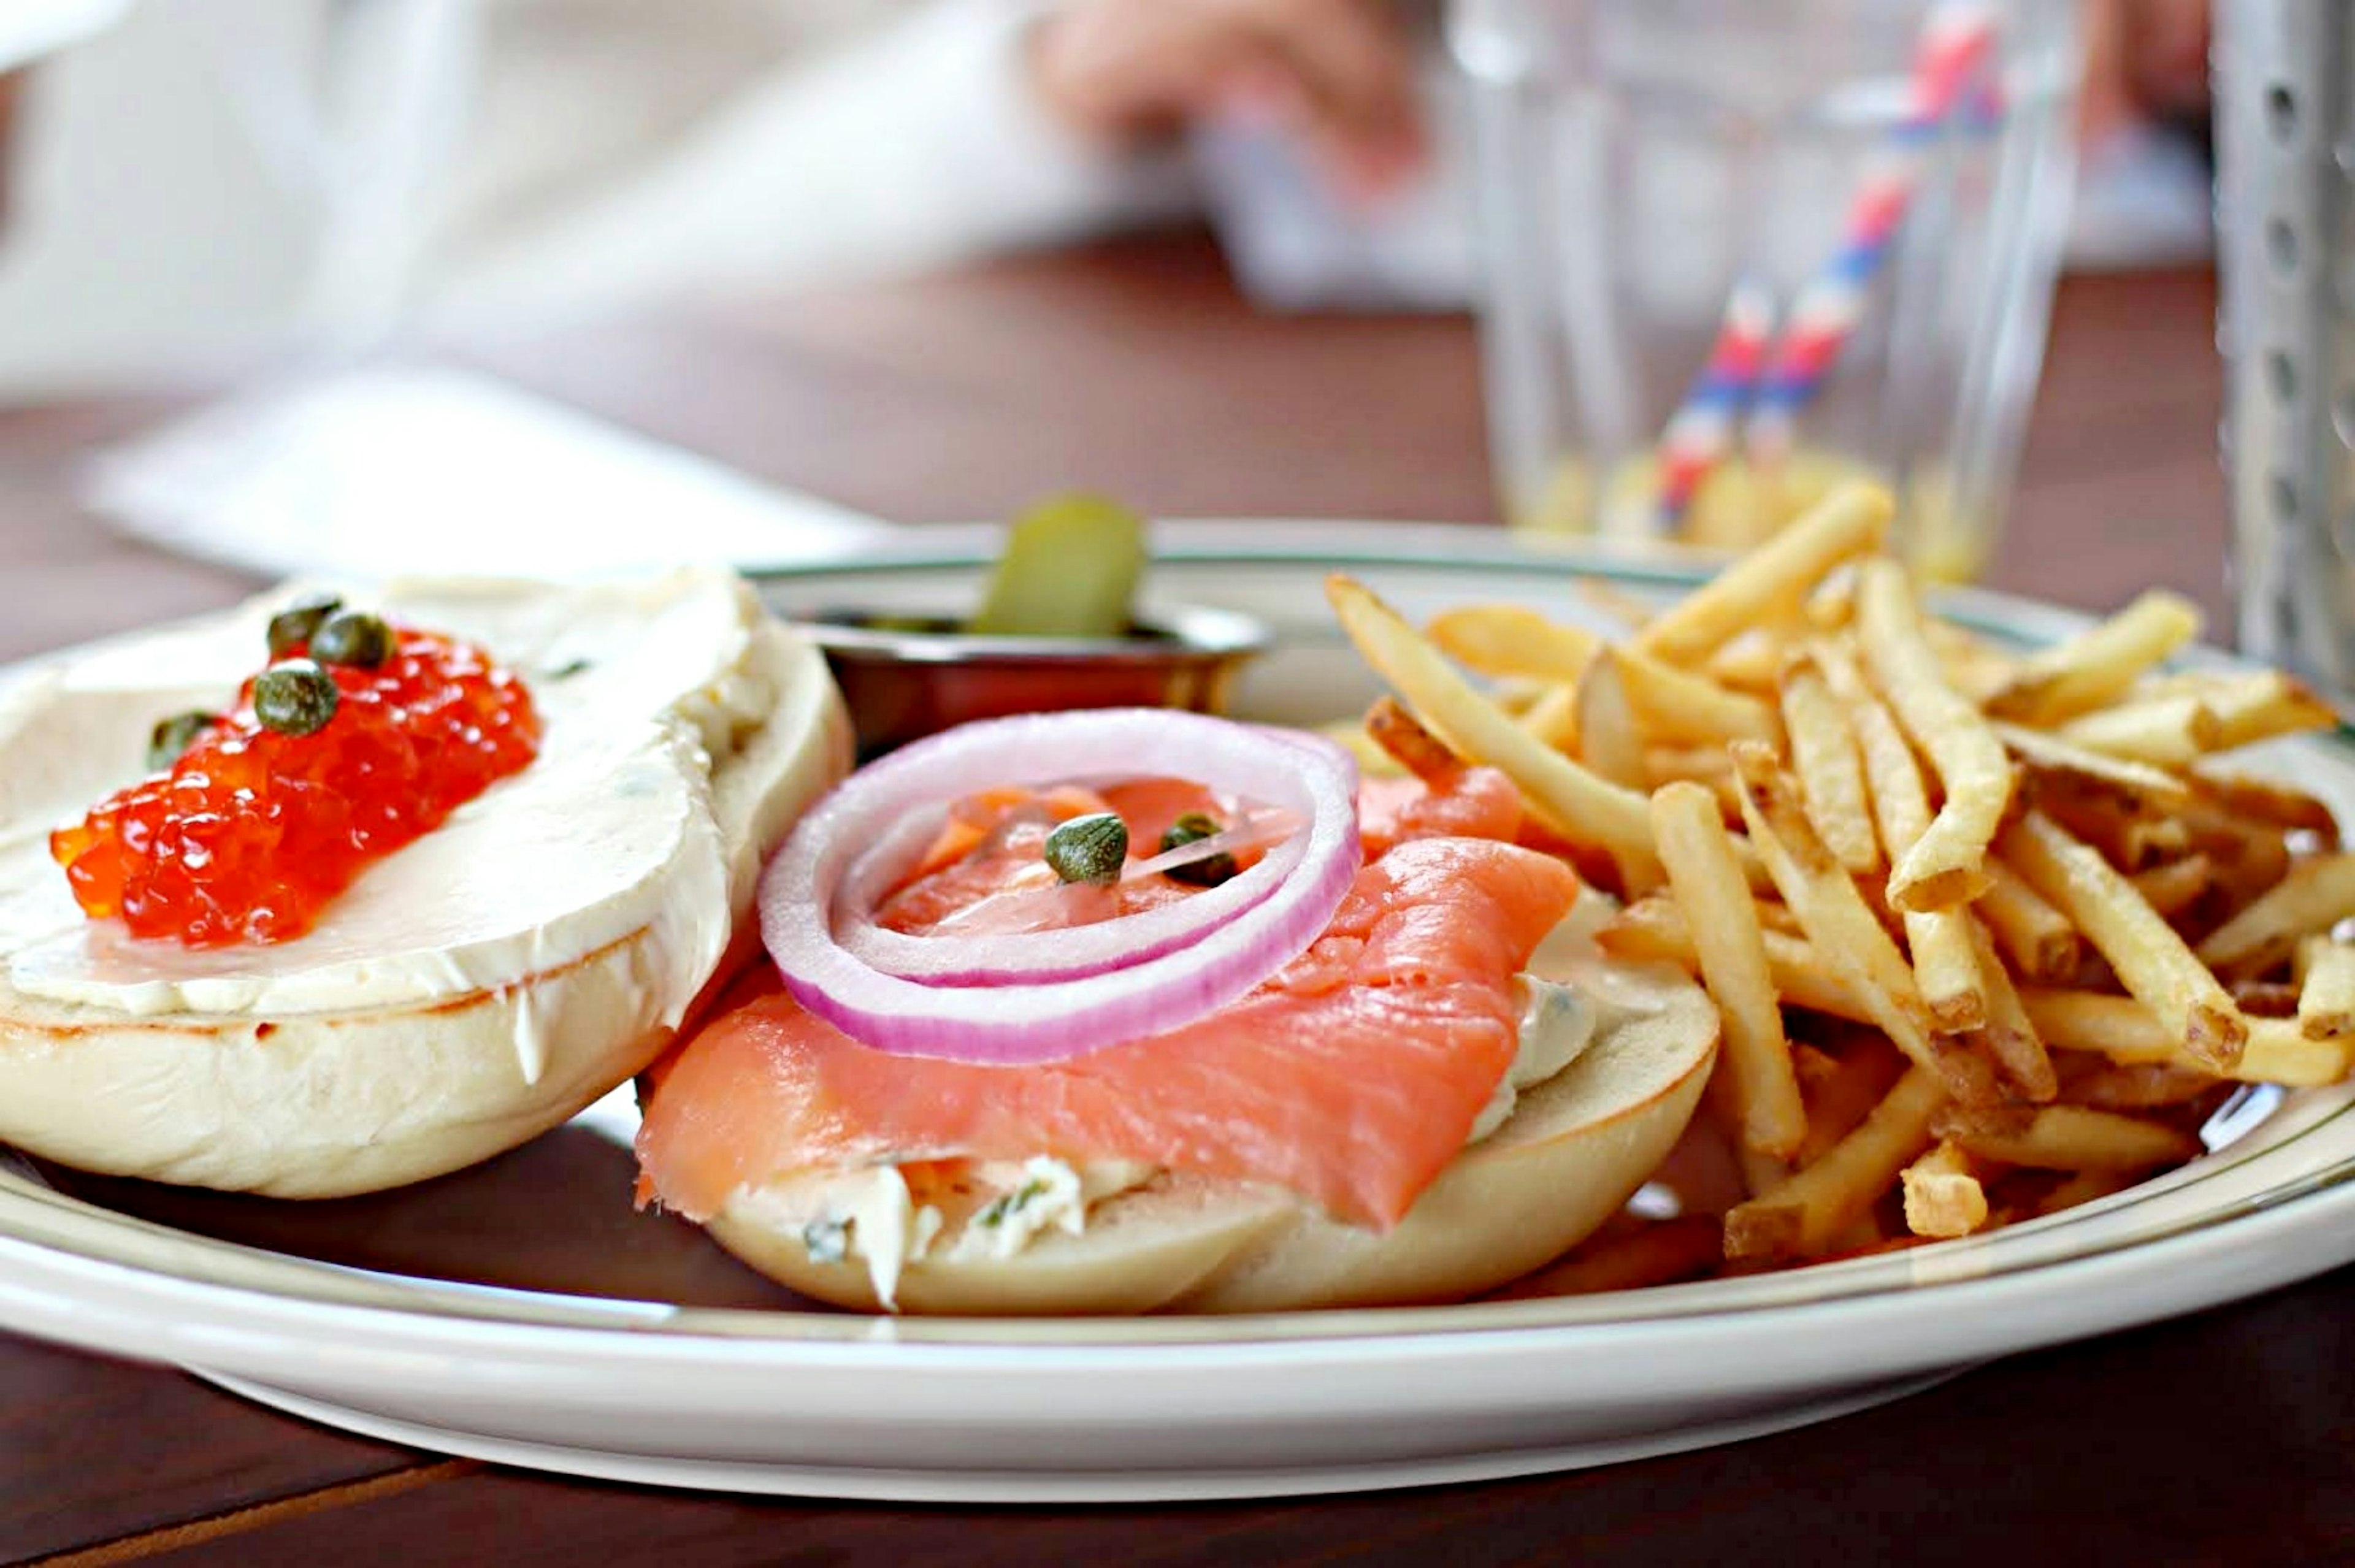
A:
x: 215, y: 178
x: 2144, y: 170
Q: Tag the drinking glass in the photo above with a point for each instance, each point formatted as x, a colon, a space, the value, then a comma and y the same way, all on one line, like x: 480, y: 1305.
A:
x: 1636, y: 160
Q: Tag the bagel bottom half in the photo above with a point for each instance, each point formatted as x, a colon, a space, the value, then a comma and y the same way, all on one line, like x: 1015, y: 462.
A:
x: 1576, y: 1146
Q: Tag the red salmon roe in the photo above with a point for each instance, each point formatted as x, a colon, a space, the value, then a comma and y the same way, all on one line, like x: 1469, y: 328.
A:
x: 252, y: 832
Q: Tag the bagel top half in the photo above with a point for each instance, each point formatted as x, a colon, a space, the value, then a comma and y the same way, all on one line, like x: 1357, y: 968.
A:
x: 468, y: 991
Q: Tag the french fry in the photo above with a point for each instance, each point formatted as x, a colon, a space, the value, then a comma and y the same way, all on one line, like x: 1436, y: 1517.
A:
x: 1947, y: 970
x: 1939, y: 862
x: 1631, y: 611
x: 2139, y: 786
x: 2011, y: 1034
x: 1568, y: 799
x: 2043, y: 945
x: 1693, y: 765
x: 2083, y: 1187
x: 1607, y: 739
x: 2160, y: 732
x: 2264, y: 998
x: 1707, y: 881
x: 2065, y: 1137
x: 1722, y: 1107
x: 1899, y: 801
x: 2326, y: 994
x: 1664, y: 1251
x: 2149, y: 841
x: 1517, y: 695
x: 2150, y: 959
x: 2260, y: 705
x: 1676, y: 707
x: 2264, y: 800
x: 1831, y: 773
x: 1412, y: 746
x: 2108, y: 1085
x: 1772, y: 579
x: 1751, y: 661
x: 1654, y: 930
x: 2100, y: 664
x: 2303, y: 956
x: 2123, y: 1029
x: 1970, y: 665
x: 1349, y: 734
x: 2315, y: 895
x: 1703, y: 765
x: 1942, y: 1195
x: 1944, y: 966
x: 2279, y: 1052
x: 2251, y: 859
x: 2176, y: 886
x: 1552, y: 719
x: 1841, y: 1091
x: 1830, y: 606
x: 1512, y: 640
x: 1842, y: 928
x: 1946, y: 866
x: 2127, y: 836
x: 1860, y: 1237
x: 1802, y: 1216
x: 1761, y: 1172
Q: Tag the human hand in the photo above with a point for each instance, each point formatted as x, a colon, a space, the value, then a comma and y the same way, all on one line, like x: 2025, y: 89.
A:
x: 2144, y: 59
x: 1336, y: 75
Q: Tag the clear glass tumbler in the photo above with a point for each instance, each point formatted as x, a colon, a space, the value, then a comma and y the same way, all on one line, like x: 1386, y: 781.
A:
x: 1886, y: 181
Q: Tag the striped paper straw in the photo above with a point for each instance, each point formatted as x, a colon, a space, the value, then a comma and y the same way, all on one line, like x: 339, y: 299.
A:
x: 1956, y: 39
x: 1701, y: 433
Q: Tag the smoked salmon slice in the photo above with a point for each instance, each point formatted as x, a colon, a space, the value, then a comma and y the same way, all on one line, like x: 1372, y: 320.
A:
x: 1472, y: 802
x: 1353, y: 1076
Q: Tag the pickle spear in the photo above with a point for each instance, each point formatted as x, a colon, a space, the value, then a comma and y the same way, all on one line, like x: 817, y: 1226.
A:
x: 1070, y: 569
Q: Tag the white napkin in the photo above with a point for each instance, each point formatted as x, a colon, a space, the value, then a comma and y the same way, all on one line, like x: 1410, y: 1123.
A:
x: 31, y: 28
x: 373, y: 472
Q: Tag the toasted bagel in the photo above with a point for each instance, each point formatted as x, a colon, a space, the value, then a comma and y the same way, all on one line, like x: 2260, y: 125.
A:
x: 463, y: 1061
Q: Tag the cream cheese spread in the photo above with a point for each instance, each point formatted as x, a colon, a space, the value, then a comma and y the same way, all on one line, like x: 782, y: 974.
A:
x: 613, y: 830
x: 871, y: 1215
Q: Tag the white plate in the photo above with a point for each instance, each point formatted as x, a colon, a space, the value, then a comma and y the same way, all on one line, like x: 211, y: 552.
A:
x: 626, y: 1348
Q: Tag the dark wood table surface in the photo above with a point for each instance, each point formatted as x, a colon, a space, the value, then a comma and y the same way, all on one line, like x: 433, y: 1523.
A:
x: 2225, y: 1436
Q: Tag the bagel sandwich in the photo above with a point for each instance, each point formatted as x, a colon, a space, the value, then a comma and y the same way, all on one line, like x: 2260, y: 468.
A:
x: 469, y: 990
x: 1449, y: 1087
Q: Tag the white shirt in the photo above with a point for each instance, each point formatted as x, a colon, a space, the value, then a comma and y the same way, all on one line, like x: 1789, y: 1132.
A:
x: 217, y: 178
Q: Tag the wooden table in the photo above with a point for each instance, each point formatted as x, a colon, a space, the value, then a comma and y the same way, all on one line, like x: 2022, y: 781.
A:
x: 1134, y: 367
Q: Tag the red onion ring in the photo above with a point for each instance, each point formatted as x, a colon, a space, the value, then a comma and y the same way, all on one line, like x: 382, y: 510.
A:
x: 1070, y: 953
x: 1040, y: 996
x: 1043, y: 904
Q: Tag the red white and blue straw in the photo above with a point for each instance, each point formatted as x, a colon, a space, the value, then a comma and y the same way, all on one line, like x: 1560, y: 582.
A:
x: 1956, y: 40
x: 1767, y: 385
x: 1701, y: 433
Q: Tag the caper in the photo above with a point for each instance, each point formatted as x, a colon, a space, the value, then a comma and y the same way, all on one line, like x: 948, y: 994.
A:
x: 1208, y: 871
x: 295, y: 697
x: 295, y: 625
x: 351, y: 638
x: 171, y: 738
x: 1089, y: 848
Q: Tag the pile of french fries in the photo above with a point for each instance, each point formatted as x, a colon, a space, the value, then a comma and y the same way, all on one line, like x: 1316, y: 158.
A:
x: 1990, y: 936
